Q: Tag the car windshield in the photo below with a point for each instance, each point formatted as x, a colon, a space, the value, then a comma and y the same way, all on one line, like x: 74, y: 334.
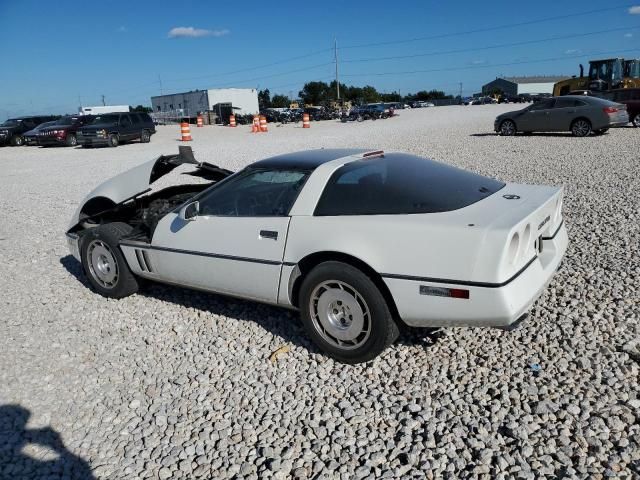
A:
x: 402, y: 184
x: 67, y: 121
x: 105, y: 119
x: 11, y: 123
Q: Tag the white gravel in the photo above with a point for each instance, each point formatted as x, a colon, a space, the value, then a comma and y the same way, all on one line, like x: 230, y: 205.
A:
x: 172, y: 383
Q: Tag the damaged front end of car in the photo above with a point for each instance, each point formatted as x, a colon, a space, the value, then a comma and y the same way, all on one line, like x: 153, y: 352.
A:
x: 129, y: 198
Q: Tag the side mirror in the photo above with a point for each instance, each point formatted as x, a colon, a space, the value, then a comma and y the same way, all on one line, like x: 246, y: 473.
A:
x: 189, y: 211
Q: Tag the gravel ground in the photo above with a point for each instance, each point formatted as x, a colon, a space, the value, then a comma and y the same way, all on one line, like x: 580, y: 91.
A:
x: 171, y: 383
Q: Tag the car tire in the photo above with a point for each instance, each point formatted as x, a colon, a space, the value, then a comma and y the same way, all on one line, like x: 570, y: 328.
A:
x: 508, y: 128
x: 17, y: 141
x: 71, y: 140
x: 345, y: 314
x: 113, y: 140
x: 635, y: 121
x: 145, y: 136
x: 581, y: 127
x: 103, y: 261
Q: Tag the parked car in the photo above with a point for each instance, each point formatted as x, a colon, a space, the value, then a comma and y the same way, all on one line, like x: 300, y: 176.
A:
x: 63, y: 131
x: 12, y: 130
x: 31, y: 137
x: 579, y: 114
x: 112, y: 129
x: 629, y: 97
x: 416, y: 241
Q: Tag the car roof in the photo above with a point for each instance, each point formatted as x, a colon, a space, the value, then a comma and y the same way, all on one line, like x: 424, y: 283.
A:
x: 588, y: 98
x: 307, y: 159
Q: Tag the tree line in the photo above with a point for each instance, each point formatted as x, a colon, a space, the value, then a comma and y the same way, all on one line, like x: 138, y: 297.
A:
x: 322, y: 93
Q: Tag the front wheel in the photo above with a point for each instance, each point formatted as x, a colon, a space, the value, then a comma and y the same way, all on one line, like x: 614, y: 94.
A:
x: 71, y: 140
x: 17, y: 140
x: 508, y: 128
x: 636, y: 121
x: 113, y: 140
x: 345, y: 314
x: 103, y: 261
x: 581, y: 128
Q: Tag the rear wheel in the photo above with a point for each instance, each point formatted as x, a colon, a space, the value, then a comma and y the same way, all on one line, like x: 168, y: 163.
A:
x: 71, y: 141
x: 508, y: 128
x: 581, y: 128
x: 145, y: 136
x: 103, y: 261
x: 113, y: 140
x: 636, y: 120
x: 345, y: 314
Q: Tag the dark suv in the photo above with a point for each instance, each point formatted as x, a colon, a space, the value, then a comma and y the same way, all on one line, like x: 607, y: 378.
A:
x: 12, y: 130
x: 114, y: 128
x: 63, y: 131
x: 629, y: 97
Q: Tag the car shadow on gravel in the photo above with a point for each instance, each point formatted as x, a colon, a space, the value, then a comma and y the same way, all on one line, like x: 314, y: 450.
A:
x: 18, y: 449
x: 281, y: 322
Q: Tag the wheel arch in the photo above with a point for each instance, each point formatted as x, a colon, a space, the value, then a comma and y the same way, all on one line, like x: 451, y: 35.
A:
x: 96, y: 205
x: 582, y: 117
x: 308, y: 263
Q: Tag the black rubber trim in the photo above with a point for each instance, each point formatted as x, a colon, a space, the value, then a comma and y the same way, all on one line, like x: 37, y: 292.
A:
x: 202, y: 254
x: 554, y: 233
x: 289, y: 264
x: 460, y: 282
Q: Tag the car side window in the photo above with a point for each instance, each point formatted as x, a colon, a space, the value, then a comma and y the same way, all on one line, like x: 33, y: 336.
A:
x: 135, y: 118
x: 543, y: 105
x: 254, y: 193
x: 125, y: 121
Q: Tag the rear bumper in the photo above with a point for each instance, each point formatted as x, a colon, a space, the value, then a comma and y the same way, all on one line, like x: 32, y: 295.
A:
x: 498, y: 305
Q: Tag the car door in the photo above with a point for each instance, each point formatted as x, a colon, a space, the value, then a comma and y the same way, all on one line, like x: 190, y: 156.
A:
x: 536, y: 117
x: 564, y: 112
x: 126, y: 128
x: 235, y: 244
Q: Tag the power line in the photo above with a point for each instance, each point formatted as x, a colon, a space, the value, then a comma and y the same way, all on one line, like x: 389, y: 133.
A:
x: 523, y: 62
x: 489, y: 47
x: 490, y: 29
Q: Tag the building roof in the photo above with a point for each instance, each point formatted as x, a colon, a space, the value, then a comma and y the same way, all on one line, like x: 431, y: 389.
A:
x: 307, y: 159
x: 536, y: 79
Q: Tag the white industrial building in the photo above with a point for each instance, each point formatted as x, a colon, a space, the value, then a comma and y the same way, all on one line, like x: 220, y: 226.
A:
x: 522, y: 85
x: 189, y: 104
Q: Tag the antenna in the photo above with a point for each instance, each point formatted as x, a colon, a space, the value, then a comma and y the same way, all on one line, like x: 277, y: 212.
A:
x: 335, y: 56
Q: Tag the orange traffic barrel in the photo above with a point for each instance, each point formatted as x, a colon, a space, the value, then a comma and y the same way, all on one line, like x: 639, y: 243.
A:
x: 185, y: 132
x: 263, y: 123
x: 255, y: 126
x: 200, y: 121
x: 232, y: 120
x: 305, y: 121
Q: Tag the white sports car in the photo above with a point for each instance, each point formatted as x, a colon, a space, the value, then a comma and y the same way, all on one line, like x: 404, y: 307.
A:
x: 358, y: 241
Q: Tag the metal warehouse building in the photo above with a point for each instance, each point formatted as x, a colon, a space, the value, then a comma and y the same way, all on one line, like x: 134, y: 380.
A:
x: 522, y: 85
x: 188, y: 104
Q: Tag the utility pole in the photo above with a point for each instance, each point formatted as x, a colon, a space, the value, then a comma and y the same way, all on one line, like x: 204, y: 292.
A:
x: 103, y: 102
x: 335, y: 56
x: 160, y: 82
x: 460, y: 91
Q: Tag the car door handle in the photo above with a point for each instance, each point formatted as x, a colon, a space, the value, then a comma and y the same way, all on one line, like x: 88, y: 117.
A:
x: 269, y: 234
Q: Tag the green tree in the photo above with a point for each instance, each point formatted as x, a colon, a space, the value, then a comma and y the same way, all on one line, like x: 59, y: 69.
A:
x: 390, y: 97
x: 140, y: 108
x: 314, y: 93
x: 370, y: 94
x: 264, y: 99
x: 280, y: 101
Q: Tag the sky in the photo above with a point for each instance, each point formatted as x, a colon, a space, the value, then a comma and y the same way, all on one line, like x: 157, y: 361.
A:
x: 59, y: 55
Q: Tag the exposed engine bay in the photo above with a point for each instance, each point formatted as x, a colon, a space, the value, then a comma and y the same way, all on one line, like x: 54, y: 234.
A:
x: 144, y: 210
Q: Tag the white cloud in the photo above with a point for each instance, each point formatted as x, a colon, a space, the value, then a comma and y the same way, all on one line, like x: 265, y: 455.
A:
x: 572, y: 51
x: 635, y: 10
x: 190, y: 32
x: 628, y: 35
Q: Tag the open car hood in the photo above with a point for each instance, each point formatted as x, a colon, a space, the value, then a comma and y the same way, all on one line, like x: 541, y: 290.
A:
x: 135, y: 182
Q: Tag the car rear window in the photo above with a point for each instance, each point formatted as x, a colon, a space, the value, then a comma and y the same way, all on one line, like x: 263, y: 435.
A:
x: 401, y: 184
